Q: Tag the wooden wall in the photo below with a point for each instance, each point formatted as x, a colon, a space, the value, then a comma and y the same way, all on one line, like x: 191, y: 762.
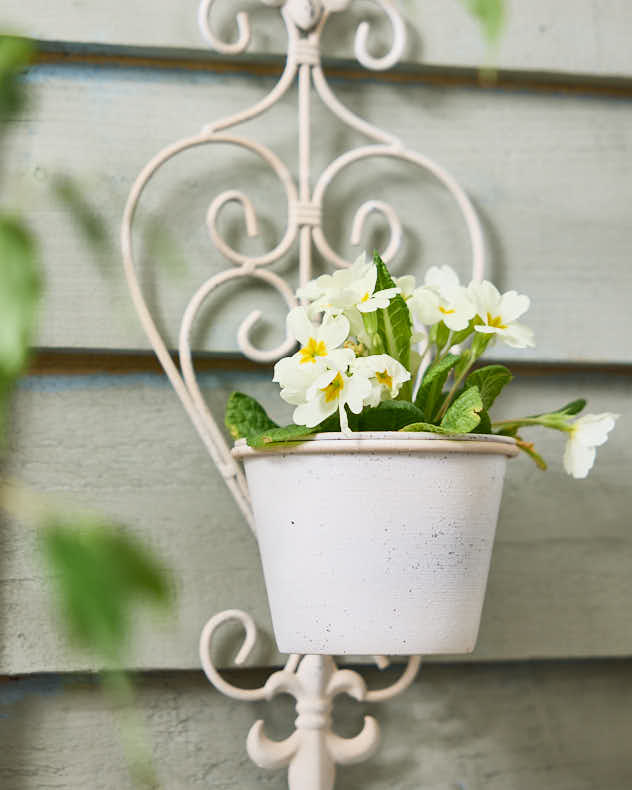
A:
x: 546, y: 154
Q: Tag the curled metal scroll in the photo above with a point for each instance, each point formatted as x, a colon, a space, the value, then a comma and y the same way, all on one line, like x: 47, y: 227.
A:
x: 313, y: 749
x: 304, y: 21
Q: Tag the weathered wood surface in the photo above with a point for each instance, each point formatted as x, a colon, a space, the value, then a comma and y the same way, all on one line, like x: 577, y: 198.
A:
x: 568, y: 36
x: 550, y: 174
x: 558, y: 726
x: 560, y: 583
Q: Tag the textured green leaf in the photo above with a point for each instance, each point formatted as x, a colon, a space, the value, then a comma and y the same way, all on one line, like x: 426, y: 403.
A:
x: 245, y: 417
x: 464, y: 414
x: 426, y: 427
x: 490, y: 381
x: 432, y: 384
x: 20, y: 293
x: 101, y: 574
x: 394, y: 324
x: 285, y: 435
x: 390, y: 415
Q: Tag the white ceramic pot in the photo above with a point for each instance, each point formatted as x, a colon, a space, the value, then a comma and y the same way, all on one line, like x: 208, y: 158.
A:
x: 377, y: 544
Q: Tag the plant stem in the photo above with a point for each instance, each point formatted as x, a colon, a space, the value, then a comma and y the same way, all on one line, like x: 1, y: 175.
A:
x: 453, y: 390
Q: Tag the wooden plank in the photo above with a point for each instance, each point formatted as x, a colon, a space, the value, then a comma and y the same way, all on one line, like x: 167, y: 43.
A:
x: 560, y: 726
x: 560, y: 577
x: 551, y: 176
x: 569, y: 36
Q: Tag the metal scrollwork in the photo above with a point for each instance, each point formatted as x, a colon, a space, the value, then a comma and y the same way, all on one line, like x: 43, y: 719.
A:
x: 313, y: 750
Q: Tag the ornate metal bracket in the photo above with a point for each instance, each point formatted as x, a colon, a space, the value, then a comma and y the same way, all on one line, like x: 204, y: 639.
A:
x: 313, y: 750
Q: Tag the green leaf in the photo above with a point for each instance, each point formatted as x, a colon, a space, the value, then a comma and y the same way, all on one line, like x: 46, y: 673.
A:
x: 464, y: 414
x: 245, y: 417
x: 569, y: 410
x: 394, y: 324
x: 426, y: 427
x: 20, y: 293
x: 490, y: 14
x: 442, y: 335
x: 432, y: 384
x: 15, y: 55
x: 101, y: 574
x: 485, y: 425
x: 285, y: 435
x: 390, y: 415
x: 574, y: 407
x: 463, y: 334
x: 490, y: 381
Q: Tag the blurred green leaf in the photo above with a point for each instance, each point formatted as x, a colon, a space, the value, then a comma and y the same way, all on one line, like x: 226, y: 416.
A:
x: 89, y: 222
x: 491, y: 16
x: 102, y: 574
x: 15, y: 54
x: 20, y: 294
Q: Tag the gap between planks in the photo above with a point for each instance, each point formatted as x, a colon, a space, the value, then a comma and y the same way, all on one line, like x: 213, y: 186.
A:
x: 84, y: 363
x: 60, y: 53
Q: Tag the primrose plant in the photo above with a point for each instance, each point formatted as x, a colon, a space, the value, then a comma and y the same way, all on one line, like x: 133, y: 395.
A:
x: 378, y: 353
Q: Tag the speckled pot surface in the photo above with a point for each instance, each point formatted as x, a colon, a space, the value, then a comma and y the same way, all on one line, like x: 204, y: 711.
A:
x: 378, y: 544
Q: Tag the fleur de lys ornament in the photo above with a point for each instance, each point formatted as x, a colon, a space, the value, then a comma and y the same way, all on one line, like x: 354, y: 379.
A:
x: 313, y: 750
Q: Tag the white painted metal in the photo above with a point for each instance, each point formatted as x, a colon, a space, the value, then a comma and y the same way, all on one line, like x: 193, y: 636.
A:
x: 313, y: 750
x: 380, y: 543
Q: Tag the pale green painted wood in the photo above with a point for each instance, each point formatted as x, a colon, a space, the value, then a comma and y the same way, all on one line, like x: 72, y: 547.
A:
x: 560, y: 726
x: 568, y: 36
x: 550, y: 174
x: 560, y: 583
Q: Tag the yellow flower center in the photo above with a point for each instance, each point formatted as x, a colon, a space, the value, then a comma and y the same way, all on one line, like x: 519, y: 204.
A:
x: 385, y: 379
x: 313, y: 349
x: 496, y: 322
x: 333, y: 389
x: 445, y: 311
x: 365, y: 298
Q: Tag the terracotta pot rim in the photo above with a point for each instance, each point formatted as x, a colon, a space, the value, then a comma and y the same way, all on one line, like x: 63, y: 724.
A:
x: 387, y: 442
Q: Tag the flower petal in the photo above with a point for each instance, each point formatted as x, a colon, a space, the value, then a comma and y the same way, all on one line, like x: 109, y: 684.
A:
x: 315, y: 411
x: 512, y: 306
x: 300, y: 326
x: 578, y: 459
x: 334, y: 331
x: 592, y: 430
x: 518, y: 336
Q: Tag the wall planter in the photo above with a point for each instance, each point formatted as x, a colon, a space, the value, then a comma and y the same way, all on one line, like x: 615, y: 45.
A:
x: 377, y: 544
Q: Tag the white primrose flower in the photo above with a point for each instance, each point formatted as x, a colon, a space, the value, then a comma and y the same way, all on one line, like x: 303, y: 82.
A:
x: 346, y: 289
x: 333, y: 390
x: 586, y: 434
x: 319, y: 342
x: 406, y: 284
x: 442, y: 298
x: 295, y: 378
x: 498, y: 313
x: 385, y: 374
